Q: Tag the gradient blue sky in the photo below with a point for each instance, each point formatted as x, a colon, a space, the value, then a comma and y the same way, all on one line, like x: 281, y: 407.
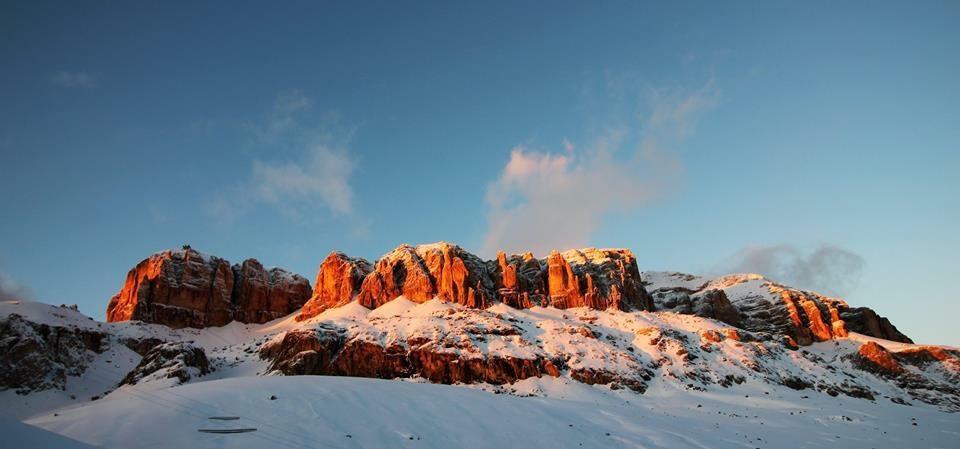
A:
x: 816, y: 142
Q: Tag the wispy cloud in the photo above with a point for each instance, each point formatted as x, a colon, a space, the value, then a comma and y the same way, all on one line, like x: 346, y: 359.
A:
x: 322, y: 176
x: 310, y: 173
x: 556, y: 200
x: 11, y: 290
x: 75, y: 79
x: 828, y: 269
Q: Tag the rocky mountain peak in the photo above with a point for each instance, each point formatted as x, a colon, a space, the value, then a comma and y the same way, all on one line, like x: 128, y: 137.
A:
x: 186, y: 288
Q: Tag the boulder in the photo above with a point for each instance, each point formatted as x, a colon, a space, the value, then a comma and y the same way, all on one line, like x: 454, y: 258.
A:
x: 175, y: 360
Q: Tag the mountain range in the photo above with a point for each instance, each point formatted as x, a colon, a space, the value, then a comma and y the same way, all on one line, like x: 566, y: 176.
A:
x: 578, y: 347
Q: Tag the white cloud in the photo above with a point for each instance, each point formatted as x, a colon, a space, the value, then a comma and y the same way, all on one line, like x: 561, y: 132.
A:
x: 309, y: 176
x: 321, y: 176
x: 828, y: 269
x: 11, y: 290
x: 74, y: 79
x: 284, y: 118
x: 543, y: 201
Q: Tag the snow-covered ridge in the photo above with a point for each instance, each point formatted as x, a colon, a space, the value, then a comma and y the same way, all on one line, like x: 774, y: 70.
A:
x: 633, y: 350
x: 621, y: 379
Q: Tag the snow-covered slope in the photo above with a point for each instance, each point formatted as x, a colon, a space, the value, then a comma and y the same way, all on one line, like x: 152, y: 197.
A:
x: 340, y: 412
x: 540, y: 376
x: 20, y: 435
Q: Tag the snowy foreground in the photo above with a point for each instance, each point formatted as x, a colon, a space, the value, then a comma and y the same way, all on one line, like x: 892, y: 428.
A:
x: 684, y: 403
x: 339, y: 412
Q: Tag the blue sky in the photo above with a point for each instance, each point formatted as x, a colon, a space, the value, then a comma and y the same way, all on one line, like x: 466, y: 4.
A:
x: 816, y: 143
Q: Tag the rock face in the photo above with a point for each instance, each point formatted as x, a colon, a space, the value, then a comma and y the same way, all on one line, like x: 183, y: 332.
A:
x: 459, y: 276
x: 596, y: 278
x: 326, y: 351
x: 754, y: 303
x: 261, y: 295
x: 338, y: 281
x: 865, y: 321
x: 399, y: 272
x: 709, y: 303
x: 176, y: 360
x: 178, y: 289
x: 185, y: 288
x: 519, y: 280
x: 933, y: 375
x: 36, y: 356
x: 875, y: 358
x: 421, y: 273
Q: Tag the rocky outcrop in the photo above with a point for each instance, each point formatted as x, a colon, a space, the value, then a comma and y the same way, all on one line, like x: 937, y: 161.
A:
x: 459, y: 276
x: 930, y: 374
x: 816, y: 317
x: 176, y: 360
x: 875, y: 358
x: 709, y: 303
x: 596, y: 278
x: 35, y: 356
x: 261, y: 295
x: 303, y: 351
x: 421, y: 273
x: 185, y: 288
x: 338, y: 282
x: 519, y: 280
x: 865, y: 321
x: 176, y: 288
x: 324, y: 351
x: 756, y: 304
x: 399, y: 272
x: 616, y: 381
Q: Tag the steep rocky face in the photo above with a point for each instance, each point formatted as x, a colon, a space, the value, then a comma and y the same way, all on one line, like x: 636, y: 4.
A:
x: 865, y: 321
x: 177, y: 288
x: 36, y: 356
x: 338, y: 281
x: 421, y: 273
x: 399, y: 272
x: 262, y: 295
x: 185, y: 288
x: 459, y: 276
x: 175, y: 360
x: 760, y: 305
x: 519, y: 280
x: 590, y: 277
x: 813, y: 317
x: 596, y: 278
